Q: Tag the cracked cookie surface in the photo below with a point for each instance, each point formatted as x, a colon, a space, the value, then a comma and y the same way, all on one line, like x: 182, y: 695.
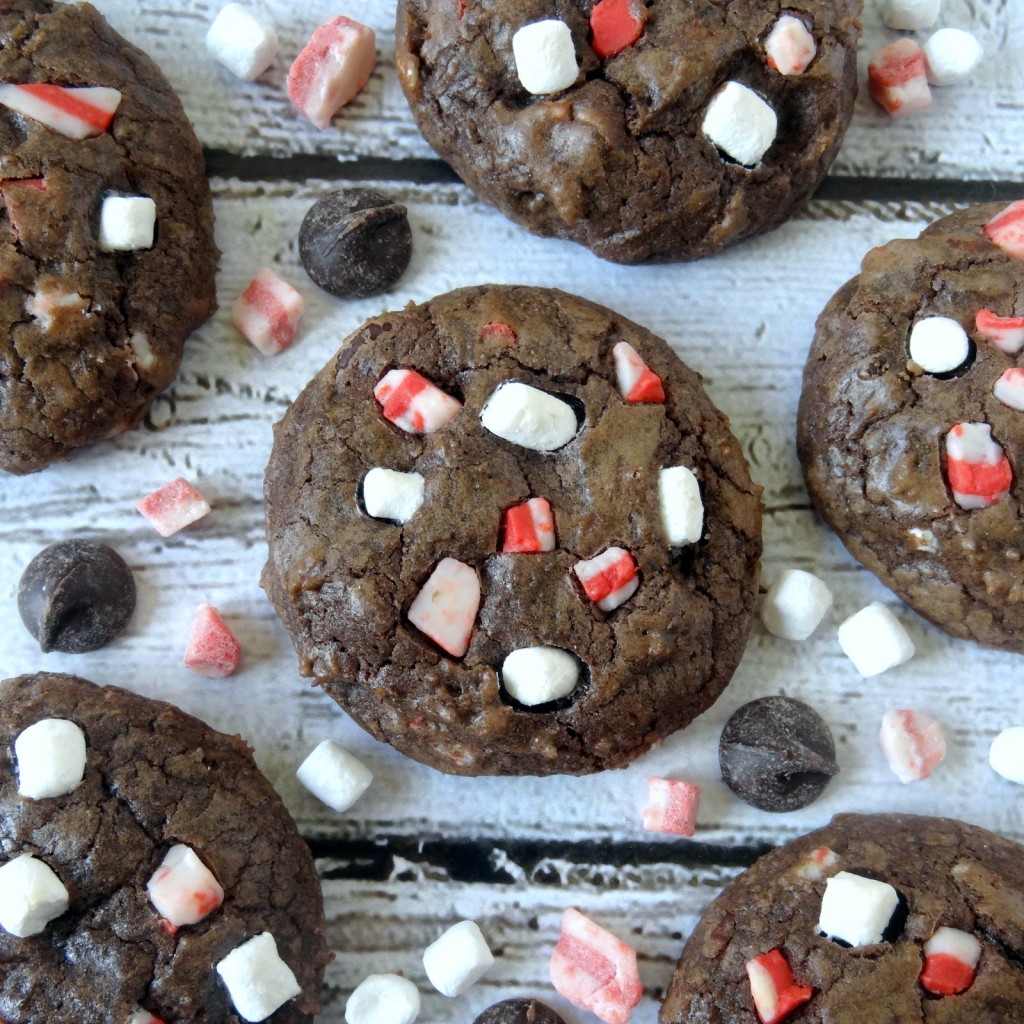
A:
x: 342, y: 581
x: 88, y: 338
x: 154, y: 777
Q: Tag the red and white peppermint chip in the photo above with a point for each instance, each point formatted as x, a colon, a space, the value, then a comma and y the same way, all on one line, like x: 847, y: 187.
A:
x: 1006, y: 229
x: 672, y: 806
x: 790, y: 47
x: 529, y: 527
x: 1005, y: 332
x: 898, y: 78
x: 212, y: 649
x: 609, y: 579
x: 411, y: 402
x: 1009, y: 388
x: 173, y: 507
x: 913, y: 744
x: 637, y: 382
x: 268, y: 312
x: 79, y: 112
x: 498, y: 333
x: 977, y: 467
x: 141, y: 1016
x: 775, y: 991
x: 594, y: 970
x: 616, y: 24
x: 950, y: 962
x: 183, y: 889
x: 445, y: 609
x: 55, y: 304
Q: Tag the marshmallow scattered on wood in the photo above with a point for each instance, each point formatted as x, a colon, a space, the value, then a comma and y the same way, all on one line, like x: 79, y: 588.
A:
x: 445, y: 609
x: 856, y: 909
x: 609, y: 579
x: 913, y: 744
x: 268, y: 312
x: 616, y: 24
x: 672, y: 806
x: 898, y: 78
x: 637, y: 382
x: 1009, y: 388
x: 388, y: 494
x: 1005, y: 332
x: 977, y: 467
x: 529, y: 417
x: 79, y: 112
x: 1006, y: 229
x: 240, y: 40
x: 939, y: 344
x: 1006, y: 755
x: 528, y: 528
x: 874, y: 640
x: 413, y: 403
x: 31, y: 896
x: 950, y: 962
x: 183, y: 889
x: 545, y: 56
x: 257, y: 979
x: 173, y: 507
x: 334, y: 776
x: 212, y: 649
x: 127, y: 223
x: 951, y: 55
x: 537, y: 675
x: 680, y: 505
x: 51, y: 758
x: 790, y: 47
x: 457, y: 959
x: 740, y: 123
x: 910, y: 15
x: 795, y: 604
x: 383, y: 999
x: 773, y: 988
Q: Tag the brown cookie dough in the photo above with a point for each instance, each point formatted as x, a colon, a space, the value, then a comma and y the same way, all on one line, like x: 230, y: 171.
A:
x: 343, y: 581
x: 88, y: 338
x: 873, y: 425
x: 154, y: 777
x: 619, y: 161
x: 947, y: 873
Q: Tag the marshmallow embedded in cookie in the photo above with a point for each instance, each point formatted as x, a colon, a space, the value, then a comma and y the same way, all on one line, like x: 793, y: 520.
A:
x: 545, y: 56
x: 127, y: 223
x: 388, y: 494
x: 31, y: 896
x: 183, y: 889
x: 241, y: 41
x: 257, y: 979
x: 740, y: 123
x: 856, y: 909
x: 51, y: 758
x: 680, y: 505
x: 457, y: 959
x: 939, y: 344
x: 538, y: 675
x: 529, y: 417
x: 334, y: 776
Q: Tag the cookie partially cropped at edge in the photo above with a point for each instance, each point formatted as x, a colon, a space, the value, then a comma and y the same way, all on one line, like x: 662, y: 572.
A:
x: 89, y: 337
x: 154, y: 778
x: 499, y: 536
x: 619, y: 160
x: 917, y: 467
x: 946, y: 874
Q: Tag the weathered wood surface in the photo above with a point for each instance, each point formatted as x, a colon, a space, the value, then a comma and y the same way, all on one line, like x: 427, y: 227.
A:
x: 421, y: 850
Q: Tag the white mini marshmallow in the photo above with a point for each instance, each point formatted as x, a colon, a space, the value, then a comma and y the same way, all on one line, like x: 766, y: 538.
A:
x: 458, y: 959
x: 334, y: 776
x: 795, y: 604
x: 51, y: 758
x: 790, y: 46
x: 545, y: 56
x: 31, y: 896
x: 242, y: 42
x: 1006, y: 755
x: 910, y: 15
x: 740, y: 123
x: 939, y: 344
x: 383, y: 999
x: 874, y: 640
x: 527, y: 416
x: 388, y: 494
x: 183, y: 889
x: 257, y: 979
x: 127, y: 223
x: 856, y: 909
x: 952, y: 54
x: 680, y: 504
x: 536, y: 675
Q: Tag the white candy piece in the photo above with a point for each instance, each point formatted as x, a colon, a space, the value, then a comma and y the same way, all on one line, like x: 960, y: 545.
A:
x: 922, y: 540
x: 529, y: 417
x: 795, y: 604
x: 127, y: 223
x: 458, y: 959
x: 242, y: 42
x: 51, y: 758
x: 334, y: 776
x: 383, y: 999
x: 740, y: 123
x: 183, y: 889
x: 874, y: 640
x: 680, y: 504
x: 1006, y: 755
x: 1009, y: 388
x: 141, y: 1016
x: 790, y: 46
x: 445, y: 609
x: 856, y: 909
x: 938, y: 344
x: 951, y: 55
x: 257, y: 979
x: 910, y: 15
x: 960, y: 945
x: 536, y: 675
x: 545, y: 56
x: 388, y: 494
x: 31, y: 896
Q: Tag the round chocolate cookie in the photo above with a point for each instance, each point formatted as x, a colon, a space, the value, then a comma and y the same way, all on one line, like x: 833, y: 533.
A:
x: 92, y: 326
x: 911, y: 429
x: 657, y: 129
x: 925, y: 919
x: 154, y: 856
x: 467, y: 537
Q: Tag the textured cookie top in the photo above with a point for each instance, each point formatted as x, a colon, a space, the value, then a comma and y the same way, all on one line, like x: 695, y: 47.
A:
x: 619, y: 159
x: 917, y: 469
x: 946, y: 875
x: 87, y: 336
x: 346, y: 584
x: 154, y: 778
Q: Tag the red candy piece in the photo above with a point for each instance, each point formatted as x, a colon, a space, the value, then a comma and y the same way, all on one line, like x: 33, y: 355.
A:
x: 616, y: 24
x: 977, y: 467
x: 212, y: 650
x: 637, y: 382
x: 268, y: 312
x: 411, y: 402
x: 671, y: 806
x: 1006, y: 230
x: 898, y: 78
x: 950, y: 962
x: 79, y: 112
x: 499, y: 333
x: 173, y: 507
x: 609, y: 579
x: 1005, y: 332
x: 529, y: 527
x: 913, y: 743
x: 775, y: 991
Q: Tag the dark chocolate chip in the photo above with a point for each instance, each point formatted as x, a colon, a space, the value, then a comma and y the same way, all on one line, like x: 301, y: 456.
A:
x: 777, y: 754
x: 519, y: 1011
x: 76, y: 596
x: 355, y: 243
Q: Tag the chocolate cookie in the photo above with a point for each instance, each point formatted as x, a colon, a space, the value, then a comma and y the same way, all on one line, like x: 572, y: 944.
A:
x: 467, y: 538
x: 655, y: 129
x: 925, y: 919
x: 172, y: 851
x: 97, y: 297
x: 911, y: 429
